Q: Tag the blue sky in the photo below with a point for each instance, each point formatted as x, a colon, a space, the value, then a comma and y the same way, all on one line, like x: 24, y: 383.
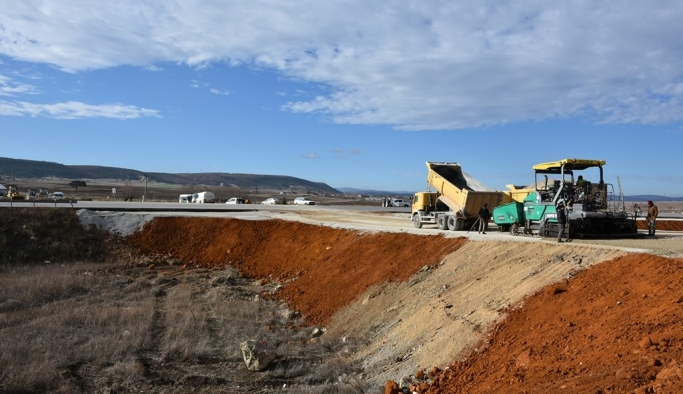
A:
x: 350, y: 93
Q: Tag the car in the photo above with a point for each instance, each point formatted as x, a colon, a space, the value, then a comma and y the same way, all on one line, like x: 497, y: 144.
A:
x: 271, y: 201
x: 397, y: 202
x: 58, y: 195
x: 303, y: 201
x: 235, y: 200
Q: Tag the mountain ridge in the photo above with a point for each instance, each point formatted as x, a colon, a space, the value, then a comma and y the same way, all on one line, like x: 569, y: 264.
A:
x: 22, y: 168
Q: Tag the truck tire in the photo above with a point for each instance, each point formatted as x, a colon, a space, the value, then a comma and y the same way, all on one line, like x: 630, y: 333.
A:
x: 453, y: 223
x: 417, y: 222
x: 441, y: 222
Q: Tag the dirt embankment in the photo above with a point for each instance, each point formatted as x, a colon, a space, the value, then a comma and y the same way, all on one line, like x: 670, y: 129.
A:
x: 322, y: 269
x: 662, y: 224
x: 616, y: 328
x: 423, y: 301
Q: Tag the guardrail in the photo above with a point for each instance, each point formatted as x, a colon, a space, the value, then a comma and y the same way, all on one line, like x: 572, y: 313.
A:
x: 34, y: 201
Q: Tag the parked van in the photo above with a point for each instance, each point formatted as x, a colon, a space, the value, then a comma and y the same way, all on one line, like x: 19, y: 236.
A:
x: 185, y: 198
x: 203, y: 197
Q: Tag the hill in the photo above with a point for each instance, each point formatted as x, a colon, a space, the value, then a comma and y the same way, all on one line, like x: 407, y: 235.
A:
x: 19, y: 168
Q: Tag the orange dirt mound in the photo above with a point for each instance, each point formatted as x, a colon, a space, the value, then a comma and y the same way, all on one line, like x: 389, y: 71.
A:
x: 666, y: 225
x: 616, y: 328
x: 322, y: 268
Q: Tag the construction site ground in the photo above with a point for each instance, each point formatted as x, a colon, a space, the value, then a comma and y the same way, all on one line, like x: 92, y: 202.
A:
x: 477, y: 313
x: 421, y: 298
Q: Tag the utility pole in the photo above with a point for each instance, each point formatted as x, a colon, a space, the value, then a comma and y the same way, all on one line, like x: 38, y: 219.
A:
x: 145, y: 195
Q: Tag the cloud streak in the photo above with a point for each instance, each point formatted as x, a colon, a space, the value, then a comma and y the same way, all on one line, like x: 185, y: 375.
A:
x: 74, y: 110
x: 413, y: 65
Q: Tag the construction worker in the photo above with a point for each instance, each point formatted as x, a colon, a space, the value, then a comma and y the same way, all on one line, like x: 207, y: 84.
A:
x: 484, y: 216
x: 561, y: 221
x: 652, y: 213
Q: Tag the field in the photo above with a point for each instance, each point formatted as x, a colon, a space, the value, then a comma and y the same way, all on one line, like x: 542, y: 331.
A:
x: 102, y: 189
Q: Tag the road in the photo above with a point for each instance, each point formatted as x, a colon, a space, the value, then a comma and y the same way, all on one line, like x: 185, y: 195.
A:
x: 362, y: 218
x: 184, y: 207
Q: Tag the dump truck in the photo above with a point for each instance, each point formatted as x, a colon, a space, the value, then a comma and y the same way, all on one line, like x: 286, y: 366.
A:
x: 593, y: 211
x: 456, y: 200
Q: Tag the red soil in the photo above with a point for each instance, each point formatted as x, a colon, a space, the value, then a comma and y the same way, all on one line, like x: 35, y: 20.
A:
x: 666, y: 225
x: 332, y: 267
x: 616, y: 328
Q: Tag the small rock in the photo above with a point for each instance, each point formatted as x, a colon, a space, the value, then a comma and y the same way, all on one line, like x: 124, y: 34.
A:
x: 645, y: 343
x: 391, y: 387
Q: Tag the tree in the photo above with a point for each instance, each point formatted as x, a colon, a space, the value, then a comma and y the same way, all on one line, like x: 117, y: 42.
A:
x: 77, y: 184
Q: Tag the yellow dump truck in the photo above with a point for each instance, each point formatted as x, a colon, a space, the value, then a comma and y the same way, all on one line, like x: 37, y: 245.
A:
x: 455, y: 202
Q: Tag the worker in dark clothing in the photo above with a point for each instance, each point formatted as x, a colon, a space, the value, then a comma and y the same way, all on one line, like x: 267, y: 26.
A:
x: 484, y: 216
x: 561, y: 221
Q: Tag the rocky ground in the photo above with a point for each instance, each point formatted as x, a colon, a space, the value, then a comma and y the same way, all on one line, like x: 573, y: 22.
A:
x: 451, y: 312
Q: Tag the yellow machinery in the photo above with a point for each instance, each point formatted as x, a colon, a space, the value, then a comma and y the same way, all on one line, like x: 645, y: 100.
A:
x: 13, y: 192
x: 455, y: 203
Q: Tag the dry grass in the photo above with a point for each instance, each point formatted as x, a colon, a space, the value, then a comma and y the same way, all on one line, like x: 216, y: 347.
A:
x: 56, y: 317
x: 36, y: 235
x: 90, y: 326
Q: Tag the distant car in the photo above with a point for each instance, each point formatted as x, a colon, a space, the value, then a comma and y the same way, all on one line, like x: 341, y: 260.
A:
x: 397, y: 202
x: 303, y: 201
x: 271, y: 201
x: 235, y: 200
x: 58, y: 195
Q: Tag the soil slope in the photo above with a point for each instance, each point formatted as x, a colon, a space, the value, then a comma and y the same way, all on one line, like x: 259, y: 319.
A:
x: 616, y: 328
x: 419, y: 301
x: 323, y: 268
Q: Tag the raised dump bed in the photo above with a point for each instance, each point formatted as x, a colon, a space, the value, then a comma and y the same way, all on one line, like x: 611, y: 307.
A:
x: 456, y: 201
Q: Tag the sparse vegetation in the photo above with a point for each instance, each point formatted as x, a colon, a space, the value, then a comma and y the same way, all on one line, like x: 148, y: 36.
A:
x: 143, y: 323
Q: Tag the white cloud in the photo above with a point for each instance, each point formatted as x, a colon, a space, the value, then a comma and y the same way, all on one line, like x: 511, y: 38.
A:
x: 9, y: 87
x: 310, y: 156
x: 219, y: 92
x: 74, y: 110
x: 411, y: 64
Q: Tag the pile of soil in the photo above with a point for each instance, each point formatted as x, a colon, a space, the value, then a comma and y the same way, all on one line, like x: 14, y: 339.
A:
x: 322, y: 268
x: 615, y: 328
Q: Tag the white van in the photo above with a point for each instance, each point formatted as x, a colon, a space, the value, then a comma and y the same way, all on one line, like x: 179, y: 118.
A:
x: 185, y: 198
x: 58, y: 196
x: 203, y: 197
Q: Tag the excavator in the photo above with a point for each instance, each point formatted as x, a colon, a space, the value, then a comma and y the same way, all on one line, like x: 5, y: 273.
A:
x: 593, y: 210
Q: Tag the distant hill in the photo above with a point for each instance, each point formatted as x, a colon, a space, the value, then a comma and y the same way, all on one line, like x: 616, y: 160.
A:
x: 647, y: 197
x: 19, y: 168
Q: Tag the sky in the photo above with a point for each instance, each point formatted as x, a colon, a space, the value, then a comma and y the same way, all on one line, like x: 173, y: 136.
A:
x: 351, y: 93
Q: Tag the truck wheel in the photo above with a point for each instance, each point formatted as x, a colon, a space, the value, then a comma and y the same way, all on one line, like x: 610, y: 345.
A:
x: 452, y: 223
x: 416, y: 221
x: 441, y: 222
